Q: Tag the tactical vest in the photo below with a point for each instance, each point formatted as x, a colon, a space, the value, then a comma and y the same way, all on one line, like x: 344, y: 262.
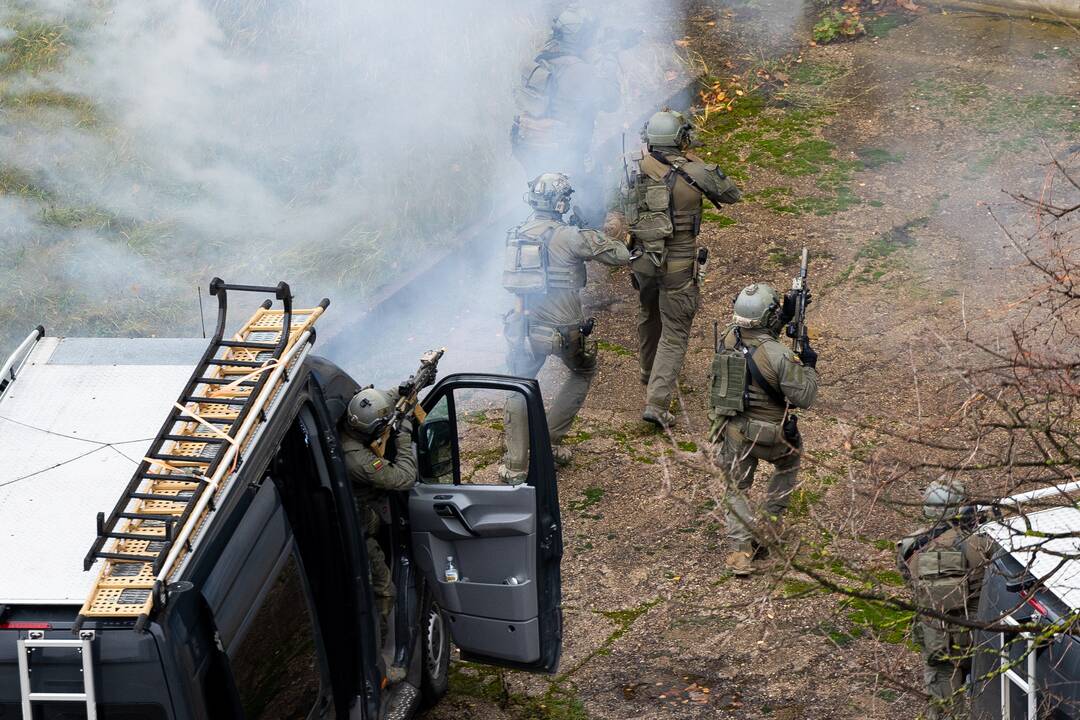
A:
x: 537, y: 84
x: 729, y: 379
x: 528, y: 270
x: 940, y: 575
x: 661, y: 206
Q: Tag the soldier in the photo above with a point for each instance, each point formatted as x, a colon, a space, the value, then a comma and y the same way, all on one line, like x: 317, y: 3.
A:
x: 561, y: 92
x: 664, y: 205
x: 944, y: 565
x: 756, y: 380
x: 373, y: 478
x: 545, y: 269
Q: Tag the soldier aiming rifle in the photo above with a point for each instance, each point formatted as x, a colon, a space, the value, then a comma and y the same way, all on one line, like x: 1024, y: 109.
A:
x: 756, y: 382
x: 378, y: 447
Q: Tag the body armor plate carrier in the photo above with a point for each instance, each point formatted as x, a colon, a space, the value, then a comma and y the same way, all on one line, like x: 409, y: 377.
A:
x: 528, y: 271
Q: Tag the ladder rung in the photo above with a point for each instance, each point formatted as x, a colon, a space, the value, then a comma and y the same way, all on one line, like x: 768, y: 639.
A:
x: 206, y: 439
x: 56, y: 697
x: 179, y: 458
x: 246, y: 344
x: 235, y: 363
x: 217, y: 419
x: 167, y: 519
x: 134, y: 536
x: 127, y: 557
x: 215, y: 401
x: 172, y: 478
x: 224, y: 381
x: 159, y: 496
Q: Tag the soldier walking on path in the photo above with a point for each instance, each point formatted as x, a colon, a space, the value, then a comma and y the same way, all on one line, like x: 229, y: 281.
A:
x: 663, y: 204
x: 756, y: 381
x: 562, y: 90
x: 545, y: 269
x: 944, y: 565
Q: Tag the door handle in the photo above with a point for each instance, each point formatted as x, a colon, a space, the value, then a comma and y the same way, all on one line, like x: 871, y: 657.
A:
x: 453, y: 512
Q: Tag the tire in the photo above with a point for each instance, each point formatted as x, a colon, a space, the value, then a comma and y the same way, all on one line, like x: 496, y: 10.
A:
x: 434, y: 651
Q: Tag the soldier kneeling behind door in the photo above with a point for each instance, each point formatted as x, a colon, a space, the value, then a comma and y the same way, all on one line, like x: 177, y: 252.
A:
x: 756, y: 381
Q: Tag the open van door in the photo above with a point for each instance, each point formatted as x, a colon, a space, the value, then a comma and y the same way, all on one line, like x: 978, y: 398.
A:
x: 504, y: 540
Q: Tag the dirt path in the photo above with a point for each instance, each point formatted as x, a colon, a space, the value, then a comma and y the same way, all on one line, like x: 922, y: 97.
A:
x: 883, y: 157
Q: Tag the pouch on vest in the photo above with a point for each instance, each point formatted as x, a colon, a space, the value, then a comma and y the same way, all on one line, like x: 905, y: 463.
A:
x: 941, y: 580
x: 525, y: 269
x: 760, y: 432
x: 533, y: 96
x: 653, y: 226
x: 727, y: 378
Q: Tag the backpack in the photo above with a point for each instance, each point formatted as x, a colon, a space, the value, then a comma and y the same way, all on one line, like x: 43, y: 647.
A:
x: 649, y: 206
x: 534, y: 94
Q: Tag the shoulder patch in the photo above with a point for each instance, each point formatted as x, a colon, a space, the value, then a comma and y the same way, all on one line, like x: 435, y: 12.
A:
x: 378, y: 464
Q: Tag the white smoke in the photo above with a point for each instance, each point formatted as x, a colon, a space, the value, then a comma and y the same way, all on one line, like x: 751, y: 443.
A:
x: 329, y: 143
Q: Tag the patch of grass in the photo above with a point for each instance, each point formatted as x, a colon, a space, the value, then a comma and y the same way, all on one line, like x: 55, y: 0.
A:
x: 817, y: 73
x: 799, y: 588
x: 576, y: 438
x: 591, y: 496
x: 21, y: 184
x: 884, y: 544
x: 614, y: 348
x: 81, y: 110
x: 688, y: 446
x: 484, y: 683
x: 34, y: 47
x: 883, y: 245
x: 782, y: 257
x: 889, y: 577
x: 801, y: 500
x: 873, y: 158
x: 718, y: 219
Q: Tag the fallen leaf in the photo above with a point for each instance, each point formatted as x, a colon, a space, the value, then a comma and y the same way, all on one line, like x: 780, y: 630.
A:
x: 908, y: 5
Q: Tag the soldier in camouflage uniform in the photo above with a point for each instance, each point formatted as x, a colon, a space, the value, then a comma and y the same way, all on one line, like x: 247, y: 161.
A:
x: 944, y: 565
x: 663, y: 204
x: 545, y: 269
x: 562, y: 90
x: 373, y: 478
x: 750, y: 409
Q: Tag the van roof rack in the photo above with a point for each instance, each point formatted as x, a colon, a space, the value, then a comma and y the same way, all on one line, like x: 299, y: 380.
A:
x: 197, y: 452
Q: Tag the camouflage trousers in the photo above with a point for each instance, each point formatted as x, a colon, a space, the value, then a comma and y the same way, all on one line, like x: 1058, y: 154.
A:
x: 579, y: 357
x: 668, y: 302
x: 737, y: 455
x: 382, y: 578
x: 944, y: 683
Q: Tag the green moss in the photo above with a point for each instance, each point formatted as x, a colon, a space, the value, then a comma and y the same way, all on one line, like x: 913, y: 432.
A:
x: 882, y: 621
x: 888, y: 577
x: 799, y: 588
x: 688, y: 446
x: 576, y: 438
x: 614, y: 348
x: 873, y: 158
x: 802, y: 499
x: 882, y: 25
x: 489, y: 684
x: 626, y: 618
x: 718, y: 219
x: 817, y: 73
x: 591, y: 496
x: 884, y: 544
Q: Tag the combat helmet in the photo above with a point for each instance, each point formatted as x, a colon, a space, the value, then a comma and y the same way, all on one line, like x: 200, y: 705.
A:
x: 550, y: 192
x: 758, y: 306
x: 946, y: 500
x: 369, y: 411
x: 575, y: 27
x: 668, y: 128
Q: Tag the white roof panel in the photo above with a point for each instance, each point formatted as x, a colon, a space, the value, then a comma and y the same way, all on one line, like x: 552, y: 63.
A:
x: 73, y: 426
x: 1055, y: 560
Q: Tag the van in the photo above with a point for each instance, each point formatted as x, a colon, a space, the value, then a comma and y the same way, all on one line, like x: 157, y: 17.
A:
x: 248, y: 594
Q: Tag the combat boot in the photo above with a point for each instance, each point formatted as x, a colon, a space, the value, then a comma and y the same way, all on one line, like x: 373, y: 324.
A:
x: 513, y: 477
x: 562, y: 454
x: 739, y: 562
x: 660, y: 418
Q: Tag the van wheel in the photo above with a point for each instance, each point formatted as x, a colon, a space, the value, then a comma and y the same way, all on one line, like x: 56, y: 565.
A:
x: 435, y: 649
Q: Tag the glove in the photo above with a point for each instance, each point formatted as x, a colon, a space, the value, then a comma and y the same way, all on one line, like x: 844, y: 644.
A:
x: 787, y: 313
x: 807, y: 354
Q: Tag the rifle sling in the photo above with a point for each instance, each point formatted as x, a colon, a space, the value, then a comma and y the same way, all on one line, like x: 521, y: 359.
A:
x: 759, y: 379
x: 684, y: 175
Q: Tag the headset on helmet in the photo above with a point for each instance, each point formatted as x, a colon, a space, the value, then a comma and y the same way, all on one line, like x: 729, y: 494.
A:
x: 667, y: 128
x: 758, y: 306
x: 550, y: 192
x: 369, y: 411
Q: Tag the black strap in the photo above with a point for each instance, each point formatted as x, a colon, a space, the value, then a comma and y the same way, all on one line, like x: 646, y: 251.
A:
x: 759, y: 379
x: 926, y: 538
x: 685, y: 176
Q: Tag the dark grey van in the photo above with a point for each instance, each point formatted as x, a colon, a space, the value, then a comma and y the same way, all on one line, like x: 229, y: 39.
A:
x: 272, y: 614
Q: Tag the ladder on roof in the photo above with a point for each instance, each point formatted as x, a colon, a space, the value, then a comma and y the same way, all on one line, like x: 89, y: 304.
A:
x: 198, y: 448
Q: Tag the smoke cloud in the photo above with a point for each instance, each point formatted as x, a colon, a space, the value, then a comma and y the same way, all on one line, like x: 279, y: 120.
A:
x: 150, y: 146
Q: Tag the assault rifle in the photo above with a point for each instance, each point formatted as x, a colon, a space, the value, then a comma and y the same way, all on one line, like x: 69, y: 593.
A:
x: 796, y: 328
x: 407, y: 398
